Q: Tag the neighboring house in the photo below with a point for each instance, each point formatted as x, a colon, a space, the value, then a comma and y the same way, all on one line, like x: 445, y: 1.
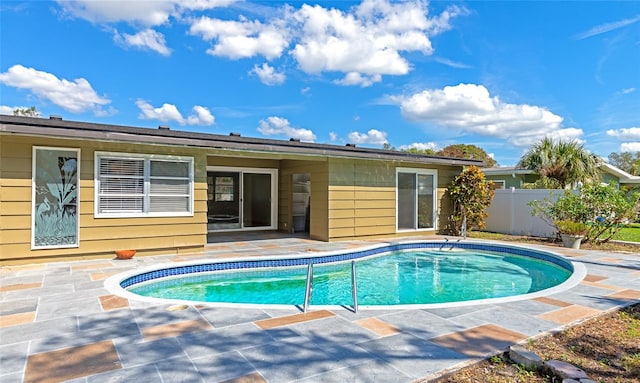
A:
x: 73, y: 190
x: 507, y: 177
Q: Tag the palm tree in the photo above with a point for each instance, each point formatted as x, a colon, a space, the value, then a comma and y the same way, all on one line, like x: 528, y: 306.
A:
x: 567, y: 162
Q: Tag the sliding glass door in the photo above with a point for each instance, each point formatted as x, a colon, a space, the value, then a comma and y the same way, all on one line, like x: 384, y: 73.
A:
x: 256, y: 197
x: 240, y: 199
x: 416, y: 202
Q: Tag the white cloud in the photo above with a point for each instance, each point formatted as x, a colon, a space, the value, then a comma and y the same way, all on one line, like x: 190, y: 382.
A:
x: 5, y: 109
x: 367, y: 40
x: 565, y: 134
x: 240, y: 39
x: 607, y: 27
x: 354, y: 78
x: 364, y: 42
x: 169, y: 112
x: 139, y: 12
x: 333, y: 136
x: 75, y: 96
x: 373, y: 137
x: 268, y: 75
x: 201, y: 116
x: 421, y: 146
x: 628, y: 90
x: 146, y: 39
x: 278, y: 126
x: 630, y: 147
x: 625, y: 134
x: 146, y: 13
x: 470, y: 108
x: 451, y: 63
x: 201, y: 5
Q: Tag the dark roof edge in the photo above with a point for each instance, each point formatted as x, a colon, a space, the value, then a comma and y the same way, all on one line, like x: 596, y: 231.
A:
x: 97, y: 131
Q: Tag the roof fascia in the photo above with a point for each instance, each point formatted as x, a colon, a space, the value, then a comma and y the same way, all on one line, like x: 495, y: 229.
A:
x: 115, y: 133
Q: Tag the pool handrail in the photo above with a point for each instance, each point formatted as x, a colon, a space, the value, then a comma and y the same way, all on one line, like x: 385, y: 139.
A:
x: 308, y: 290
x: 354, y: 287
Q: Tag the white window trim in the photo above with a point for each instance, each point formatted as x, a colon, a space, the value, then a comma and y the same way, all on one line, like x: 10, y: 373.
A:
x: 503, y: 182
x: 147, y: 158
x: 274, y: 195
x: 431, y: 172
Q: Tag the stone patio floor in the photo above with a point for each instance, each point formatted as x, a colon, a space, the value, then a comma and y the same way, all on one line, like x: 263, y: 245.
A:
x: 58, y: 323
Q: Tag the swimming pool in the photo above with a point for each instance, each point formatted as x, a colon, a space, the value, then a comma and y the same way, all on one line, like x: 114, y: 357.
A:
x: 399, y: 274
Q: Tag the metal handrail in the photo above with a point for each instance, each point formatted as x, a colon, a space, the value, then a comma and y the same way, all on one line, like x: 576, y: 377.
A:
x: 354, y: 287
x: 308, y: 290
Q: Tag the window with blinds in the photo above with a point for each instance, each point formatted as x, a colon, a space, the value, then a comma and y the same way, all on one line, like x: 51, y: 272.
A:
x: 143, y: 185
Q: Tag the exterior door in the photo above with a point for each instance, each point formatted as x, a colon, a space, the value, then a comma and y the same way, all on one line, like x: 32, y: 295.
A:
x: 256, y: 206
x: 416, y: 202
x: 239, y: 199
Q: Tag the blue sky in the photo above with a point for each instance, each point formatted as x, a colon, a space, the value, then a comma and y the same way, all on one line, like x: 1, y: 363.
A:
x: 500, y: 75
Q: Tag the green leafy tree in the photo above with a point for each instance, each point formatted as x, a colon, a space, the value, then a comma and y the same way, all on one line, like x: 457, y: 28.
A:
x: 27, y: 112
x: 471, y: 194
x: 627, y: 161
x: 542, y: 183
x: 603, y: 208
x: 425, y: 151
x: 470, y: 152
x: 567, y: 162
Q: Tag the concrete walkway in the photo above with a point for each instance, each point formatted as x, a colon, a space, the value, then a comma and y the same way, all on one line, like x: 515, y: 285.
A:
x: 59, y: 323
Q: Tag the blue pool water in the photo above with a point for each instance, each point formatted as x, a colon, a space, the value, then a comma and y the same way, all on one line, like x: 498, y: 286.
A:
x: 401, y: 277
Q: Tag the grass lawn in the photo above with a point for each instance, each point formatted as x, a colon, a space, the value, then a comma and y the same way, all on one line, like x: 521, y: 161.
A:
x: 629, y: 233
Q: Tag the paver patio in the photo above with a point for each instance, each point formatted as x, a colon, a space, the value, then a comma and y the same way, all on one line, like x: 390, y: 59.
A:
x: 58, y: 323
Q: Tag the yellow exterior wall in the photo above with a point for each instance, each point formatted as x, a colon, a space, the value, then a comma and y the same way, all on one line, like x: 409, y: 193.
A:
x: 240, y: 162
x: 98, y: 237
x: 362, y: 198
x: 350, y: 199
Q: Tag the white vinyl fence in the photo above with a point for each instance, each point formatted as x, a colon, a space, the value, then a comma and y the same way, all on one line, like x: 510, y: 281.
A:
x: 510, y: 214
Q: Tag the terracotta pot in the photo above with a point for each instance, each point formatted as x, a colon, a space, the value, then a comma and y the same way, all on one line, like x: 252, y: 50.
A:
x: 125, y: 254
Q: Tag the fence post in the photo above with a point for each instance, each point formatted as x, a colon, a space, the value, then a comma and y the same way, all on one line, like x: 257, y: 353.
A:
x: 512, y: 215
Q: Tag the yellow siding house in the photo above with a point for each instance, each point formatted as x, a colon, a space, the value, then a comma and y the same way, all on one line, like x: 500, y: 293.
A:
x: 74, y: 190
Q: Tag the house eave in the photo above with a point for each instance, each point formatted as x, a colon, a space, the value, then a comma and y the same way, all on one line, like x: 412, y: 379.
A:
x: 116, y: 133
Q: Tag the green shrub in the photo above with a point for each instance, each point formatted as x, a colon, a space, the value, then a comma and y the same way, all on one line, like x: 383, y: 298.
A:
x: 471, y: 195
x: 603, y: 208
x: 571, y: 228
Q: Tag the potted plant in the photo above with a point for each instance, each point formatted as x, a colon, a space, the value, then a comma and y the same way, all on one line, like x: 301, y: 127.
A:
x: 571, y: 232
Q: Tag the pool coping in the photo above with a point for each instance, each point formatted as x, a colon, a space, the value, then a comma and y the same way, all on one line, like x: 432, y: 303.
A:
x: 114, y: 283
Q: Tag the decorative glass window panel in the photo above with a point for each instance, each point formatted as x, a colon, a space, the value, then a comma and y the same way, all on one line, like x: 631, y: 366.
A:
x: 55, y: 219
x: 130, y: 185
